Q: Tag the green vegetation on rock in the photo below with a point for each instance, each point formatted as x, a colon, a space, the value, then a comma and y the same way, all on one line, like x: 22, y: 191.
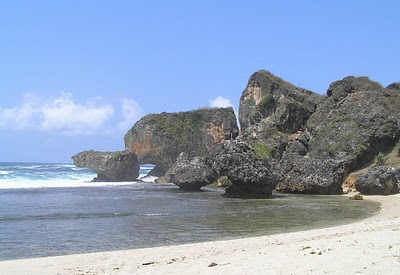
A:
x: 250, y: 101
x: 380, y: 159
x: 267, y: 102
x: 260, y: 151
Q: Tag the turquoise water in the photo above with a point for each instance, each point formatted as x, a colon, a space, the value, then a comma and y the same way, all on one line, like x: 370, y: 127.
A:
x: 74, y: 216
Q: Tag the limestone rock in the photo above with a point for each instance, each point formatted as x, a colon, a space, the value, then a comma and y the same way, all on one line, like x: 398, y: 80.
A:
x: 109, y: 166
x: 250, y: 176
x: 394, y: 86
x: 357, y: 121
x: 309, y: 176
x: 380, y: 180
x: 160, y: 138
x: 224, y: 182
x: 282, y: 105
x: 357, y: 197
x: 190, y: 174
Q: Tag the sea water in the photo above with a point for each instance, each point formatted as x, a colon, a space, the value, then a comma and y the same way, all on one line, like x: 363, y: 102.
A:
x: 54, y: 209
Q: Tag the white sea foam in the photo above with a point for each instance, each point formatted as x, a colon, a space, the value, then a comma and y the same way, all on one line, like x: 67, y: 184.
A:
x: 21, y: 184
x: 148, y: 178
x: 5, y: 172
x: 29, y: 167
x: 68, y: 166
x: 77, y: 168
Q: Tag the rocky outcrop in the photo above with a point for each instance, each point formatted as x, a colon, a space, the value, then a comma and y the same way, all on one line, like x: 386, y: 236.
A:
x: 380, y: 180
x: 109, y: 166
x: 160, y: 138
x: 394, y: 86
x: 250, y: 175
x: 190, y: 175
x: 280, y: 104
x: 310, y: 176
x: 355, y: 122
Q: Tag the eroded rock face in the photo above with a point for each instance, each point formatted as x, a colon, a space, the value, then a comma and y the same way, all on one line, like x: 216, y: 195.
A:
x: 357, y: 121
x: 109, y: 166
x: 190, y: 174
x: 250, y: 176
x: 160, y: 138
x: 310, y: 176
x: 380, y: 180
x: 282, y: 105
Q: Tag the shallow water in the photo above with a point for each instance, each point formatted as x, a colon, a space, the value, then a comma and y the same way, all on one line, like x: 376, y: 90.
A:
x: 56, y: 221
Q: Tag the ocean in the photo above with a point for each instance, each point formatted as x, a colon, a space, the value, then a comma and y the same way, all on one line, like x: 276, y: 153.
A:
x: 54, y: 209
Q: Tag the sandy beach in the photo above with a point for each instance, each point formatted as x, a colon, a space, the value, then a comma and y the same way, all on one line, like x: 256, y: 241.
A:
x: 370, y: 246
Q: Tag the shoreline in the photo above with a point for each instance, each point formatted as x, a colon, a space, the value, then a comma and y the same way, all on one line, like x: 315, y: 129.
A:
x: 367, y: 246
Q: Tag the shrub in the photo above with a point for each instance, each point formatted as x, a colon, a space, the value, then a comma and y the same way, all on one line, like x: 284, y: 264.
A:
x: 260, y: 151
x: 380, y: 159
x: 266, y: 103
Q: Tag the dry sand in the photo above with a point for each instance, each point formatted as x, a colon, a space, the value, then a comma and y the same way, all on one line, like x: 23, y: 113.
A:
x: 371, y: 246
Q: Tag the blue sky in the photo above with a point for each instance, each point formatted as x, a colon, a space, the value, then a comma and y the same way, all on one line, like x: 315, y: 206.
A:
x: 76, y: 75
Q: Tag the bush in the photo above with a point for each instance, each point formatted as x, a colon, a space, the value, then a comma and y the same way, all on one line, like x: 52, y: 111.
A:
x: 260, y: 151
x: 266, y: 103
x: 380, y: 159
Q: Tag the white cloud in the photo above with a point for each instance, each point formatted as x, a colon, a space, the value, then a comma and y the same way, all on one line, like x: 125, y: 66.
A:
x: 63, y: 115
x: 131, y: 112
x: 220, y: 102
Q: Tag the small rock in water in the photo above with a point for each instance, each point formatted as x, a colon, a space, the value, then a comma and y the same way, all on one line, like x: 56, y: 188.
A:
x: 212, y: 264
x: 357, y: 197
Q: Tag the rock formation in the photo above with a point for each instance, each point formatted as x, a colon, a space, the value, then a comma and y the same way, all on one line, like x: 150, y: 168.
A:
x: 250, y: 176
x: 355, y: 122
x: 190, y: 175
x: 160, y: 138
x: 301, y: 142
x: 109, y: 166
x: 394, y: 86
x: 380, y: 180
x: 310, y: 176
x: 223, y: 182
x: 282, y: 105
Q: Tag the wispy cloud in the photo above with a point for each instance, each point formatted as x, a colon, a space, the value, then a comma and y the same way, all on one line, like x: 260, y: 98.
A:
x: 220, y: 102
x: 131, y: 112
x: 64, y: 115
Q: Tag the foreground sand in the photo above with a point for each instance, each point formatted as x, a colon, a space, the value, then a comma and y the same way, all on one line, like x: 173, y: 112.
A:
x: 370, y: 246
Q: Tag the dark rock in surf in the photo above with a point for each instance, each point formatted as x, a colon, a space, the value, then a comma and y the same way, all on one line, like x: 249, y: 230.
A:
x: 190, y: 174
x: 109, y: 166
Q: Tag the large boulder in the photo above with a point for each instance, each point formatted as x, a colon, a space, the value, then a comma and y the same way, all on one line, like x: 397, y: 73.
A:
x: 160, y: 138
x: 282, y: 105
x: 109, y: 166
x: 190, y: 174
x: 250, y: 174
x: 380, y: 180
x: 305, y: 175
x: 357, y: 120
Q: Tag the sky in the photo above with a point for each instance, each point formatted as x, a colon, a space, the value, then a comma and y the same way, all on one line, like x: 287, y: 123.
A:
x: 77, y: 75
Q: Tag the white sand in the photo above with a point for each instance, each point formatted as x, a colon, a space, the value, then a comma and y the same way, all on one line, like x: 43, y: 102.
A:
x: 370, y: 246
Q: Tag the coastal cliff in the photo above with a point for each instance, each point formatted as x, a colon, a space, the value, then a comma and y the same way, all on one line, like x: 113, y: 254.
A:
x: 160, y: 138
x: 296, y: 141
x: 291, y: 139
x: 277, y: 102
